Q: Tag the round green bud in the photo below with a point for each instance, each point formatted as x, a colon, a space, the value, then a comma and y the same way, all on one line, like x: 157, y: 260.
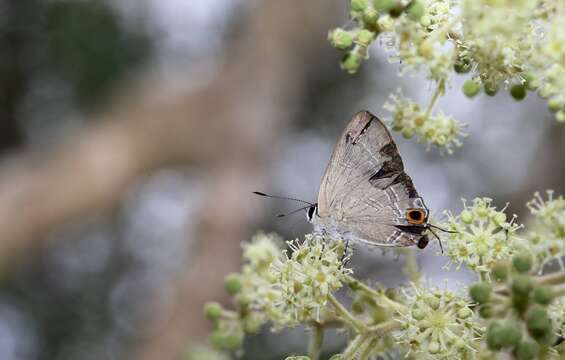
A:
x: 480, y: 292
x: 512, y: 334
x: 522, y: 262
x: 418, y: 314
x: 213, y: 310
x: 233, y: 283
x: 462, y: 66
x: 471, y: 88
x: 415, y: 10
x: 499, y: 218
x: 371, y: 19
x: 433, y: 347
x: 538, y: 322
x: 554, y: 104
x: 252, y: 323
x: 495, y: 336
x: 466, y: 216
x: 407, y: 133
x: 543, y: 295
x: 530, y: 81
x: 464, y: 313
x: 521, y: 285
x: 518, y: 92
x: 527, y: 350
x: 486, y: 311
x: 340, y: 39
x: 396, y: 11
x: 491, y: 88
x: 384, y: 6
x: 365, y: 37
x: 359, y: 5
x: 500, y: 270
x: 226, y: 340
x: 433, y: 302
x: 351, y: 62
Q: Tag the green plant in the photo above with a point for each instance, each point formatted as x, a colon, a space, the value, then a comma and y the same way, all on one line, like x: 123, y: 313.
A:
x: 511, y: 312
x: 496, y: 44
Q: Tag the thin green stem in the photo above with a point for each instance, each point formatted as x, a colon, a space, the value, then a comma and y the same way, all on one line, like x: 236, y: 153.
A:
x: 346, y: 315
x: 382, y: 299
x: 354, y: 346
x: 384, y: 328
x: 440, y: 89
x: 368, y: 349
x: 316, y: 342
x: 552, y: 279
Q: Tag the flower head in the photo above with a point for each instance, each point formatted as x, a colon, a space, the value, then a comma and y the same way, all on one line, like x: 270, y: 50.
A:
x: 547, y: 240
x: 482, y: 235
x: 437, y: 324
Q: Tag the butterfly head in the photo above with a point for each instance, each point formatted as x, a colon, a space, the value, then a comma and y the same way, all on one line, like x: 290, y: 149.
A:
x: 311, y: 211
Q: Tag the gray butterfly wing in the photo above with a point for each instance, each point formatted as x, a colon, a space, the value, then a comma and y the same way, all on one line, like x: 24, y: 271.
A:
x: 365, y: 192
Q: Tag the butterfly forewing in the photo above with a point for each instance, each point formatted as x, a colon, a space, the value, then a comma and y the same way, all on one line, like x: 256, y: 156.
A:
x: 365, y: 192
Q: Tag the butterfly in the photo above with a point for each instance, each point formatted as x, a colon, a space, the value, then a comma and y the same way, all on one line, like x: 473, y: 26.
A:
x: 365, y: 194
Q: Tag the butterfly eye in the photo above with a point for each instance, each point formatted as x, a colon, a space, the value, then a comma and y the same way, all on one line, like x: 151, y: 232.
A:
x: 415, y: 216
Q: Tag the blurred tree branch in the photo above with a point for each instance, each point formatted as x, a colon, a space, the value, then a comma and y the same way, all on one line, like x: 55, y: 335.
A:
x: 226, y: 127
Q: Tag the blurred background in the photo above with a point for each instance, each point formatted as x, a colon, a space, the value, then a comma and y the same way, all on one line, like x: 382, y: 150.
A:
x: 132, y: 133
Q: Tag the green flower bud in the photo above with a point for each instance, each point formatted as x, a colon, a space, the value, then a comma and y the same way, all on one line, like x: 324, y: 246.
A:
x: 462, y: 66
x: 518, y: 92
x: 554, y: 104
x: 357, y: 306
x: 233, y: 284
x: 340, y: 39
x: 359, y: 5
x: 383, y: 6
x: 213, y: 310
x: 500, y: 270
x: 543, y: 295
x: 433, y: 347
x: 466, y: 216
x: 531, y: 82
x: 407, y: 133
x: 538, y: 322
x: 491, y: 88
x: 522, y: 262
x: 495, y: 335
x: 464, y: 313
x: 471, y: 88
x: 365, y: 37
x: 480, y: 292
x: 415, y: 10
x: 418, y: 314
x: 252, y: 323
x: 371, y: 19
x: 433, y: 302
x: 351, y: 62
x: 522, y: 285
x: 486, y: 311
x: 226, y: 340
x: 527, y: 350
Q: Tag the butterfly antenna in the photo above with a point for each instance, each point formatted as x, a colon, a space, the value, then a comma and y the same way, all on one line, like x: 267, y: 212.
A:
x: 438, y: 239
x: 442, y: 229
x: 293, y: 211
x: 282, y: 198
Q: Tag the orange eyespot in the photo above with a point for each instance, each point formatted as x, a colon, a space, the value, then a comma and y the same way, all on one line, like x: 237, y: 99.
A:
x: 416, y: 216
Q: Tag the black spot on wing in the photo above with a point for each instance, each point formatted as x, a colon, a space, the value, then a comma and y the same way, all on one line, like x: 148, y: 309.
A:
x: 411, y: 229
